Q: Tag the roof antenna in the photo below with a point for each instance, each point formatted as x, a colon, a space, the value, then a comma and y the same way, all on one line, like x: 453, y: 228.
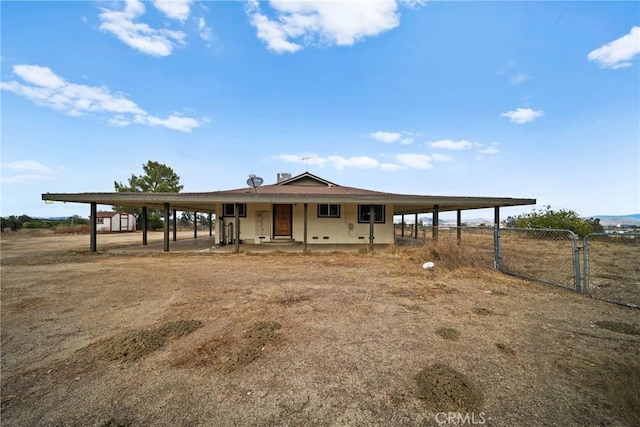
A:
x: 306, y: 159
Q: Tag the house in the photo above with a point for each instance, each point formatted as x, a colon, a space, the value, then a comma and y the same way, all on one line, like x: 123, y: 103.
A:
x: 305, y: 208
x: 115, y: 222
x: 334, y: 214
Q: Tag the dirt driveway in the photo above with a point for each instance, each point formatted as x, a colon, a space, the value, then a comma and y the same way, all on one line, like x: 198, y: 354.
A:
x: 146, y: 338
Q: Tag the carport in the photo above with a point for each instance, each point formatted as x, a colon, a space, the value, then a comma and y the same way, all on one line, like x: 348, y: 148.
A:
x: 303, y: 190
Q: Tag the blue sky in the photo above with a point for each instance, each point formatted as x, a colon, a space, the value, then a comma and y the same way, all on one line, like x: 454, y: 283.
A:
x: 514, y: 99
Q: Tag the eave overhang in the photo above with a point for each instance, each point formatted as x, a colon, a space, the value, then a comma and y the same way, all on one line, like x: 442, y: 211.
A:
x: 206, y: 202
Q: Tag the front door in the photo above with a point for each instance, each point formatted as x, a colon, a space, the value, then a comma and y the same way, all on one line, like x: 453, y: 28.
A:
x: 282, y: 215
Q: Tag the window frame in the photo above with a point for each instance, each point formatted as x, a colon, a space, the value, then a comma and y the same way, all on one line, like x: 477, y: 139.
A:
x: 243, y: 210
x: 328, y: 215
x: 364, y: 209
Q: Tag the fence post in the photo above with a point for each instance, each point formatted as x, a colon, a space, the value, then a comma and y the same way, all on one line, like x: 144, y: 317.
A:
x: 496, y: 247
x: 576, y: 261
x: 585, y: 266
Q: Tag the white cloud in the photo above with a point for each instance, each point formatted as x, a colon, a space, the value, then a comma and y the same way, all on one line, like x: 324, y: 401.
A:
x: 492, y: 149
x: 299, y: 23
x: 413, y: 4
x: 386, y: 137
x: 205, y: 32
x: 402, y: 161
x: 27, y: 166
x: 518, y: 78
x: 140, y: 36
x: 47, y: 89
x: 523, y: 115
x: 392, y: 167
x: 175, y: 122
x: 404, y: 138
x: 415, y: 161
x: 441, y: 158
x: 27, y: 171
x: 174, y: 9
x: 361, y: 162
x: 449, y: 144
x: 619, y: 52
x: 40, y: 76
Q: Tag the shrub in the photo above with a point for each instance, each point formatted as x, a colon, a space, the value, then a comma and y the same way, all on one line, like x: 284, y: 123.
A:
x: 562, y: 219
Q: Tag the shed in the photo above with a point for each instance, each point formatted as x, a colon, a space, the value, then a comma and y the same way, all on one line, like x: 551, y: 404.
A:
x: 113, y: 222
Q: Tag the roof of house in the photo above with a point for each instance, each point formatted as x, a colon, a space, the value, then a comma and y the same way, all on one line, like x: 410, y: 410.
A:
x: 303, y: 188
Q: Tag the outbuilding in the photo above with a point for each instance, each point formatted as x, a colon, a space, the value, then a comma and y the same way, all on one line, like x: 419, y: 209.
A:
x: 113, y: 222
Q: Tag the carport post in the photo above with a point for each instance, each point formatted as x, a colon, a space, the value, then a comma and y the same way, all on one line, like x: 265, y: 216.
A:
x: 435, y: 221
x: 195, y: 225
x: 236, y: 227
x: 415, y: 227
x: 175, y: 225
x: 496, y: 237
x: 459, y: 225
x: 371, y: 227
x: 402, y: 225
x: 144, y: 225
x: 93, y: 245
x: 166, y: 227
x: 304, y: 234
x: 210, y: 224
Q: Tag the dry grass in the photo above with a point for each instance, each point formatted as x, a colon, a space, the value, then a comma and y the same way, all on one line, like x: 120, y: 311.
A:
x: 443, y: 389
x: 291, y: 339
x: 447, y: 255
x: 228, y: 353
x: 140, y: 343
x: 623, y: 388
x: 72, y: 229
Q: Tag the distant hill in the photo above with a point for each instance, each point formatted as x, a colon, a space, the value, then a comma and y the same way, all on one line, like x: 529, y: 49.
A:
x: 606, y: 220
x: 632, y: 219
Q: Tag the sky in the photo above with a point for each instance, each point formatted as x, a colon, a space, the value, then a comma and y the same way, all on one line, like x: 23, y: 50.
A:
x: 503, y: 99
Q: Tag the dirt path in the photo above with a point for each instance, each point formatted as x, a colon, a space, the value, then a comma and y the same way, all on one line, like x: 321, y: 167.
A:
x: 291, y: 339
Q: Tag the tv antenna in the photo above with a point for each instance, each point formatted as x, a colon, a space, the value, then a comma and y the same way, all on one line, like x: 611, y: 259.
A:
x: 306, y: 159
x: 255, y: 182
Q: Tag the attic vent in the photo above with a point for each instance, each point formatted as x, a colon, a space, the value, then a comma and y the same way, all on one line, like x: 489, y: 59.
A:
x: 283, y: 176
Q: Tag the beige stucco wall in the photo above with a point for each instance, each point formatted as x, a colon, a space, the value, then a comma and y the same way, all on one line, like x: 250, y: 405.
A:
x: 257, y: 226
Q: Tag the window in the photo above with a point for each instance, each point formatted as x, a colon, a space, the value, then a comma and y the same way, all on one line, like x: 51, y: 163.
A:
x: 328, y: 211
x: 99, y: 220
x: 365, y: 210
x: 228, y: 209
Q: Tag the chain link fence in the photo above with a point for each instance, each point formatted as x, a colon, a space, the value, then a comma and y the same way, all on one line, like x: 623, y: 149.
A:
x: 608, y: 267
x: 550, y: 256
x: 612, y: 267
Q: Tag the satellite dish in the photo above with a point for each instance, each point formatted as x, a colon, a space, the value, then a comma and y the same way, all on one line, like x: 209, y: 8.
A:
x: 254, y: 181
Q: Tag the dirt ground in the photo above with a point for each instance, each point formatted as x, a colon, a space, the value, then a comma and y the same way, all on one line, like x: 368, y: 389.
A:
x: 131, y: 336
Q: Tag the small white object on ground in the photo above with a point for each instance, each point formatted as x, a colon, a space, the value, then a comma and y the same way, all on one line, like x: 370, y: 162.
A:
x: 428, y: 265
